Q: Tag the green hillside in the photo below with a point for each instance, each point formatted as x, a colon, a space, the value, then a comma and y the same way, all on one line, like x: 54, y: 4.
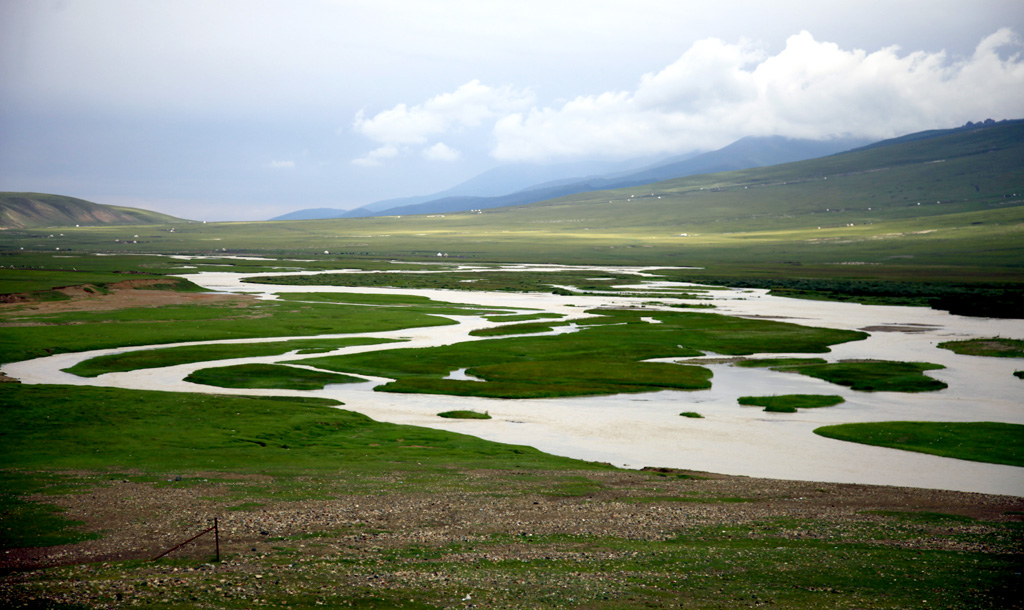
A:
x: 949, y: 207
x: 33, y: 210
x: 934, y: 200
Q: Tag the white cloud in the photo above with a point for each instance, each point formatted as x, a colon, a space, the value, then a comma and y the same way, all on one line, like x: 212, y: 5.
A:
x: 469, y: 106
x: 281, y: 165
x: 377, y: 156
x: 718, y: 92
x: 441, y: 152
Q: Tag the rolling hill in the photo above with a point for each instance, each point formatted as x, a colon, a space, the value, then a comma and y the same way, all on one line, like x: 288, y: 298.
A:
x: 34, y: 210
x: 510, y: 185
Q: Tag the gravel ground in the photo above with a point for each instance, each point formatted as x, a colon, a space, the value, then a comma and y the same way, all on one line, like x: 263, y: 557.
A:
x: 139, y: 520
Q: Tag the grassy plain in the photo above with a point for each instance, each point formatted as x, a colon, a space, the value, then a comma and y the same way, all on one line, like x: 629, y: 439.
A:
x: 789, y: 403
x: 865, y: 375
x: 992, y: 442
x: 44, y: 334
x: 995, y: 347
x: 61, y: 428
x: 270, y: 376
x: 171, y: 356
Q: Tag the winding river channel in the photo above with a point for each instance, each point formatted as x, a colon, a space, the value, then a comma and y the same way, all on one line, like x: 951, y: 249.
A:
x: 637, y: 430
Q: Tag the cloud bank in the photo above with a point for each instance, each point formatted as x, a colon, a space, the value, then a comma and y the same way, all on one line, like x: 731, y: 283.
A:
x: 718, y: 92
x: 403, y: 127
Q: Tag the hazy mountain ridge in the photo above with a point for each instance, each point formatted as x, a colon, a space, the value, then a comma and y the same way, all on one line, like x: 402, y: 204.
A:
x: 34, y: 210
x: 742, y: 154
x: 498, y: 181
x: 972, y: 169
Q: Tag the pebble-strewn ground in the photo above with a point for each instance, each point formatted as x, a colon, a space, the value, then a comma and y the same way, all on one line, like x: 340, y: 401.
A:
x: 495, y: 536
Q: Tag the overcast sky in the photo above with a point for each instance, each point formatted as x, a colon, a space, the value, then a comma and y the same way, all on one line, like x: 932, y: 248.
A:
x: 248, y: 109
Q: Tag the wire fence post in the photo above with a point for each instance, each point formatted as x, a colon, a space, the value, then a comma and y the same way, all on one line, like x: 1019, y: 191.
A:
x: 216, y: 535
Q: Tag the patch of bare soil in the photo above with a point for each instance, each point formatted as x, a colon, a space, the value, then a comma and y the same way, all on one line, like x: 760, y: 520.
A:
x: 120, y: 295
x: 900, y: 328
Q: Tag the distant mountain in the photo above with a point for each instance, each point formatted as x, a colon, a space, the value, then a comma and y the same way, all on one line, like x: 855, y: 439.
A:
x: 742, y: 154
x: 31, y: 210
x: 974, y: 169
x: 493, y: 182
x: 311, y: 214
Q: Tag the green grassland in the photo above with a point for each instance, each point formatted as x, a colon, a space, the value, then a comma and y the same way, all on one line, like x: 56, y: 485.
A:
x: 996, y: 443
x: 172, y: 356
x: 407, y: 301
x: 994, y: 347
x: 464, y: 415
x: 789, y: 403
x: 82, y: 331
x: 272, y: 376
x: 54, y: 428
x: 603, y: 357
x: 515, y: 329
x: 864, y: 376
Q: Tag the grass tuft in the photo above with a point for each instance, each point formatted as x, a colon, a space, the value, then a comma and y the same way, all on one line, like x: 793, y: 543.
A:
x: 789, y: 403
x: 464, y: 415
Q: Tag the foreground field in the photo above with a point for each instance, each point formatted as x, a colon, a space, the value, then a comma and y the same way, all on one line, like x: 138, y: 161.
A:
x: 518, y: 538
x: 320, y: 507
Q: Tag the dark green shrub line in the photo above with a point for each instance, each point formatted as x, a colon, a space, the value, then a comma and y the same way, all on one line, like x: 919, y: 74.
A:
x: 973, y: 299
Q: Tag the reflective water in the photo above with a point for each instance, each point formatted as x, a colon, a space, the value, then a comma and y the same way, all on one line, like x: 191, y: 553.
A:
x: 639, y: 430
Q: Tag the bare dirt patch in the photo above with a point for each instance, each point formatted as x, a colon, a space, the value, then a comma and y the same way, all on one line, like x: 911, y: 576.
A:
x: 120, y: 295
x: 900, y: 328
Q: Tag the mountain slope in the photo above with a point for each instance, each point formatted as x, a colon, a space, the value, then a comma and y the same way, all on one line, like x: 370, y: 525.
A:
x: 493, y: 182
x: 959, y: 169
x: 953, y: 201
x: 743, y: 154
x: 31, y: 210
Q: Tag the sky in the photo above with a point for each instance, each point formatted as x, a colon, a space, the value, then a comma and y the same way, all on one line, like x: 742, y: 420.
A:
x: 249, y: 109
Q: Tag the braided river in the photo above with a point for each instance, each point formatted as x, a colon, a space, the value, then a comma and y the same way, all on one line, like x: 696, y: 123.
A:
x: 638, y: 430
